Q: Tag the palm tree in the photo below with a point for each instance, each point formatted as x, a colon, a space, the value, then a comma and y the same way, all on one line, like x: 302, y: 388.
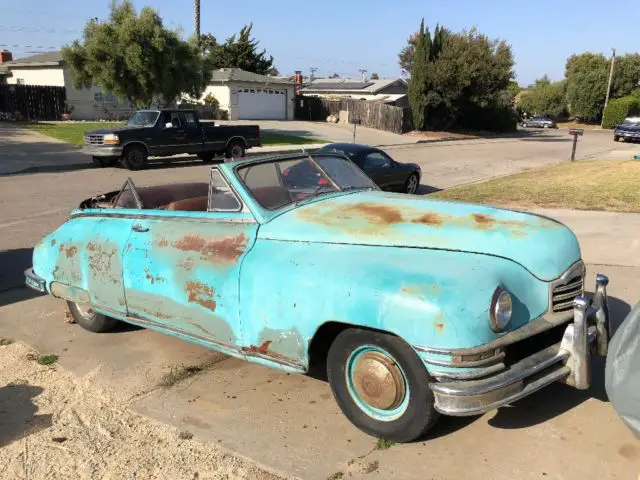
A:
x: 196, y: 17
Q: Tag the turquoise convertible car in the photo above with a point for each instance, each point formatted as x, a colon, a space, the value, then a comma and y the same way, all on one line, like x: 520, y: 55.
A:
x: 417, y: 307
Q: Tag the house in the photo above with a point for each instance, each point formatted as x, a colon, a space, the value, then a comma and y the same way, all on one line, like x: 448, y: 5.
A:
x: 48, y: 69
x: 250, y: 96
x: 392, y: 91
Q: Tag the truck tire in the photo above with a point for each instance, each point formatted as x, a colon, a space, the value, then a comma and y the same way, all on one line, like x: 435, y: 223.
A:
x: 134, y: 157
x: 206, y: 157
x: 235, y: 149
x: 102, y: 162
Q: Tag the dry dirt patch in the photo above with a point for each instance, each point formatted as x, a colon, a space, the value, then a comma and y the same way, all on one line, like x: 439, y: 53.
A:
x: 56, y: 426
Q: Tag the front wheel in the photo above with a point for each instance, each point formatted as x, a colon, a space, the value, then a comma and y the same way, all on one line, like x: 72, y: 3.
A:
x: 235, y: 149
x: 89, y: 319
x: 381, y: 385
x: 134, y: 157
x: 411, y: 186
x: 616, y: 138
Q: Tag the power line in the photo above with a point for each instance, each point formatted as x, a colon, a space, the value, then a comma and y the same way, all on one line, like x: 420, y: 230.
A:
x: 14, y: 28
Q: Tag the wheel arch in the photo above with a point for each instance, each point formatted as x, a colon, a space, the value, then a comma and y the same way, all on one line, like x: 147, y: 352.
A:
x: 134, y: 143
x: 237, y: 138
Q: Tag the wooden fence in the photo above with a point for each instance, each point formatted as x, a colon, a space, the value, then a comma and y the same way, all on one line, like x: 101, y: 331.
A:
x: 369, y: 113
x: 31, y: 102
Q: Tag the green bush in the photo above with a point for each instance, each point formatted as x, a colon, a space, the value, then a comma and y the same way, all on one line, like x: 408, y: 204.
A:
x: 619, y: 109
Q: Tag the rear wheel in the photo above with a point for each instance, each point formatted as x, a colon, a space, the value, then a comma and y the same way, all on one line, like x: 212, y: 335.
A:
x: 102, y: 162
x: 89, y: 319
x: 381, y: 385
x: 134, y: 157
x: 235, y: 149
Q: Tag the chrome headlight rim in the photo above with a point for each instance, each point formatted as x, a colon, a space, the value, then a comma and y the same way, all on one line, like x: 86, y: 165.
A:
x: 499, y: 319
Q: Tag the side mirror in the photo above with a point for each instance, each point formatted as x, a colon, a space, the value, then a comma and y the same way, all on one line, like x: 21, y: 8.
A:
x: 168, y: 125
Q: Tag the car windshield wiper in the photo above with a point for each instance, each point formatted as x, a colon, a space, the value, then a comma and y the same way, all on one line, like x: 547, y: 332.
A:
x: 353, y: 187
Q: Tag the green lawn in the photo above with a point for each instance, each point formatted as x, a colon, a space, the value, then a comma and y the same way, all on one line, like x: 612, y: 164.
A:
x: 584, y: 185
x: 73, y: 133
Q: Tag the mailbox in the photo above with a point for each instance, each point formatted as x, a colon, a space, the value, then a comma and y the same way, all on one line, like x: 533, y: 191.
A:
x: 576, y: 131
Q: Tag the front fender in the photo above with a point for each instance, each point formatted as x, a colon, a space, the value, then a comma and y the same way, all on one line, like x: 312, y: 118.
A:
x: 433, y: 298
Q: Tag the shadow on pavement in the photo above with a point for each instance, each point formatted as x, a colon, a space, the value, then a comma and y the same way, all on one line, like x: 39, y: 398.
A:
x: 18, y: 413
x: 427, y: 189
x: 12, y: 287
x: 618, y: 310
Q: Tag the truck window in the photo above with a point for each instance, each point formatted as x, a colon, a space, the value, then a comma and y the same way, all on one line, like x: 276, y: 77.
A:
x: 173, y: 118
x: 190, y: 118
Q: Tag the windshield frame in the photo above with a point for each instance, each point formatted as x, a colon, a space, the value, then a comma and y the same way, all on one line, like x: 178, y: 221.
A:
x: 309, y: 156
x: 157, y: 112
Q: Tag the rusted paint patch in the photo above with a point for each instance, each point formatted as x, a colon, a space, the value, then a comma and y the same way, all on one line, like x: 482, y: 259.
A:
x: 223, y: 250
x: 422, y: 289
x: 148, y: 311
x: 162, y: 242
x: 378, y: 214
x: 438, y: 323
x: 432, y: 219
x: 151, y: 278
x: 53, y: 242
x: 483, y: 221
x: 69, y: 251
x: 262, y: 349
x: 279, y: 345
x: 201, y: 294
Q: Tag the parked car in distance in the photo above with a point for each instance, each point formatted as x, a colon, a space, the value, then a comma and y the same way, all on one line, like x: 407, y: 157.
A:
x: 417, y: 306
x: 629, y: 129
x: 163, y: 133
x: 387, y: 173
x: 538, y: 121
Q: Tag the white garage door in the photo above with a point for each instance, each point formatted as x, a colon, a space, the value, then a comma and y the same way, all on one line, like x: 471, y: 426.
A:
x: 262, y: 104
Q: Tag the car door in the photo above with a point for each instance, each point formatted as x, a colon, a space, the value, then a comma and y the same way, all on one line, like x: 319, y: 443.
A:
x: 173, y: 139
x: 379, y: 167
x: 193, y: 132
x: 181, y: 268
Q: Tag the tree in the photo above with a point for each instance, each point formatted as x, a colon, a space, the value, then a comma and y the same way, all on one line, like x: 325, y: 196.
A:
x: 238, y: 52
x: 545, y: 97
x: 626, y: 75
x: 587, y: 77
x: 375, y: 76
x: 417, y: 89
x: 405, y: 57
x: 134, y: 57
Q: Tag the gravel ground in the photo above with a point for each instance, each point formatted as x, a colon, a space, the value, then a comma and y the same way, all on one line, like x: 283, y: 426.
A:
x: 56, y: 426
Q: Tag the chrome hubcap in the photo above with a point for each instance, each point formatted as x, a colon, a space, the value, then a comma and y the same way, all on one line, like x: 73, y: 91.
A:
x: 236, y: 151
x: 378, y: 381
x: 413, y: 183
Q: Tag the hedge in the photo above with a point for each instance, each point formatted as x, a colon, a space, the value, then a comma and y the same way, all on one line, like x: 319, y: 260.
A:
x: 619, y: 109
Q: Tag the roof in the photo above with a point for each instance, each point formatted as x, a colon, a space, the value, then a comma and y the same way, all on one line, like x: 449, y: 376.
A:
x: 348, y: 147
x: 224, y: 75
x: 338, y: 84
x: 48, y: 59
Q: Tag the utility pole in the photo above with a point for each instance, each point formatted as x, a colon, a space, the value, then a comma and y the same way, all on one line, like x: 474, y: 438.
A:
x: 196, y: 18
x: 606, y: 100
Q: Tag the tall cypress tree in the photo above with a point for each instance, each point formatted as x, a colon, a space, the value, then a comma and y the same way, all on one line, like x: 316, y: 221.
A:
x: 419, y: 78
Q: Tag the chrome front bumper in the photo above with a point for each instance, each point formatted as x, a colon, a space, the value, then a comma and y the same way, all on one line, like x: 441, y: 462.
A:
x: 568, y: 361
x: 102, y: 151
x: 34, y: 281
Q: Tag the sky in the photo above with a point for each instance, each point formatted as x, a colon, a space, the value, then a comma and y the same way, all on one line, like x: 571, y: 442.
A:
x: 344, y: 36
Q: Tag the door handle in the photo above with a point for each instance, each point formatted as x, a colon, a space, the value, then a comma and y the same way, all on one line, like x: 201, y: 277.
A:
x: 139, y: 228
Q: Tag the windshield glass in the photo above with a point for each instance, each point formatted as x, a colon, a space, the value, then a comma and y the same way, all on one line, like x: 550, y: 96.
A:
x: 280, y: 183
x: 143, y: 119
x: 631, y: 121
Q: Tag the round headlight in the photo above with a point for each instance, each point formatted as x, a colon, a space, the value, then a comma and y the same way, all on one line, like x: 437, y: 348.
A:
x: 501, y: 308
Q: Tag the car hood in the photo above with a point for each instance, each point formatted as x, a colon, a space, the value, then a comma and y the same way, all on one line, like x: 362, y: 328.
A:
x: 543, y: 246
x: 127, y: 128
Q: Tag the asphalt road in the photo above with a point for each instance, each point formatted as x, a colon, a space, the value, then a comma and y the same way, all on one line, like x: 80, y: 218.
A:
x: 291, y: 423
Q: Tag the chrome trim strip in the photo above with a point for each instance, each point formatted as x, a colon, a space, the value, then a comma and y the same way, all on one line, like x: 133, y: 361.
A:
x: 462, y: 363
x: 469, y: 375
x: 143, y: 216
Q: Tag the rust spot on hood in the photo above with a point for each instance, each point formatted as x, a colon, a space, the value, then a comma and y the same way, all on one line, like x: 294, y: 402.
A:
x: 483, y: 221
x: 153, y: 279
x: 433, y: 219
x: 218, y: 250
x: 53, y: 242
x: 379, y: 214
x: 201, y: 294
x: 68, y: 251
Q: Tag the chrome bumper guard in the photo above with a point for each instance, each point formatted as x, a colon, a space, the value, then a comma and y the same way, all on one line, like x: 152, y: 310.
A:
x: 34, y: 281
x: 568, y: 361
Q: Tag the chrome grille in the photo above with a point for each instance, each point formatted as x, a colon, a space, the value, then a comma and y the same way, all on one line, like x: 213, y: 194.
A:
x: 94, y: 139
x: 563, y: 294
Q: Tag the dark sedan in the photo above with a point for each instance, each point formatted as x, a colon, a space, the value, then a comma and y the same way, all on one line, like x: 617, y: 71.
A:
x: 627, y: 130
x: 380, y: 167
x: 538, y: 121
